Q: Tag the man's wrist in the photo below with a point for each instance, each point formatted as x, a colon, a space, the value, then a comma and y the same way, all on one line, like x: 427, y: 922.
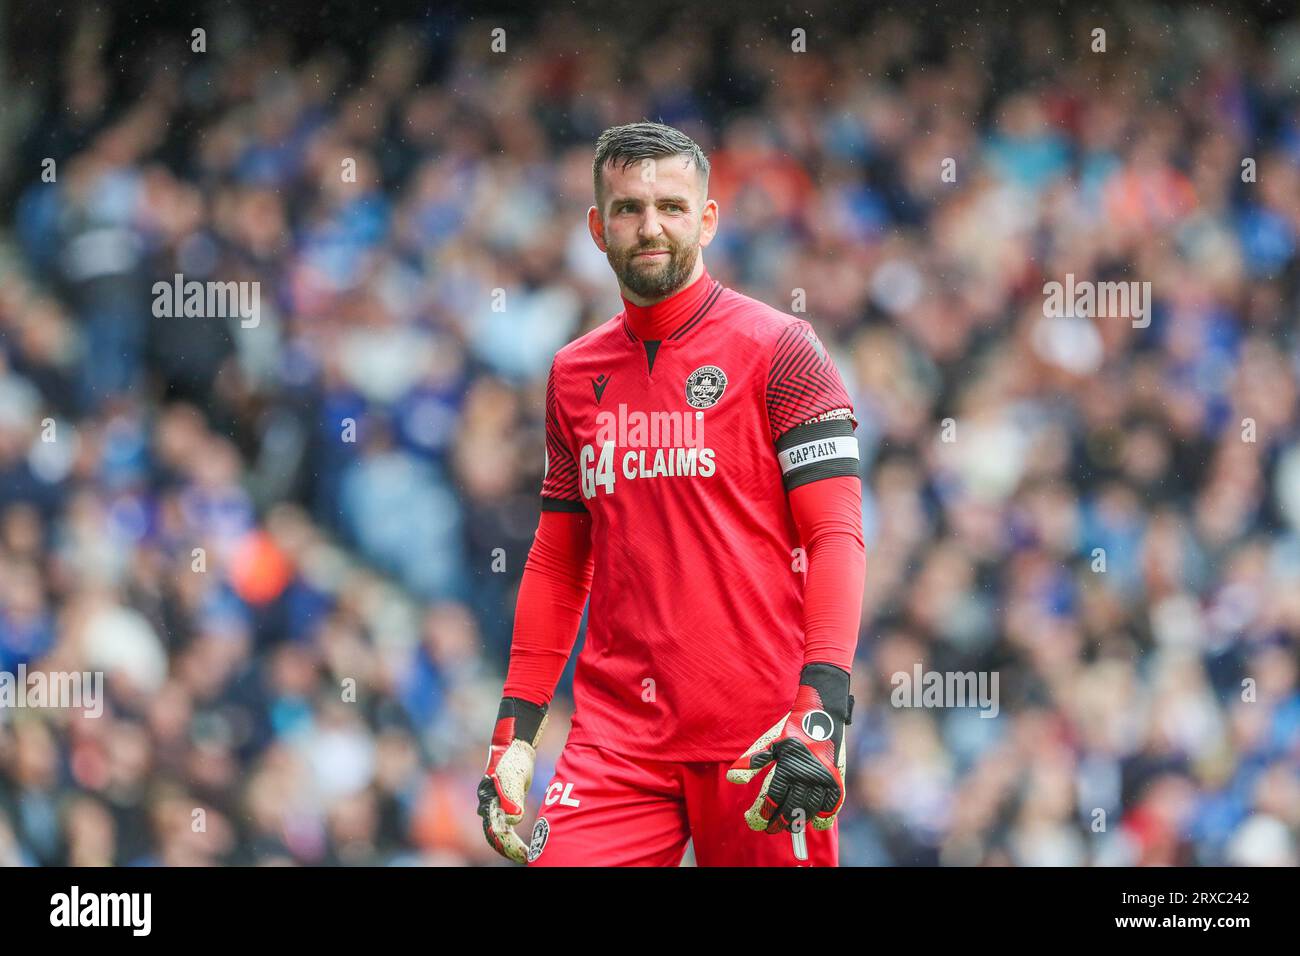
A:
x: 526, y: 718
x: 832, y: 685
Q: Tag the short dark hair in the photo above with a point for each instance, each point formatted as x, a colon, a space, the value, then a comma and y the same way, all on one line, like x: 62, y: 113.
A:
x: 637, y: 141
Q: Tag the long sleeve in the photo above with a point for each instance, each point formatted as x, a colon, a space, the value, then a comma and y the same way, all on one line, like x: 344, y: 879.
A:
x: 828, y: 514
x: 552, y: 594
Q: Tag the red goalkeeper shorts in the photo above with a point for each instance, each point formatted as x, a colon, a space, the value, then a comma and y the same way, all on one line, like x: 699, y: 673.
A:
x: 605, y: 809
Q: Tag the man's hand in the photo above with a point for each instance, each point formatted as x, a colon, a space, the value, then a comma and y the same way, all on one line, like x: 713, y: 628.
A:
x: 509, y: 774
x: 806, y: 751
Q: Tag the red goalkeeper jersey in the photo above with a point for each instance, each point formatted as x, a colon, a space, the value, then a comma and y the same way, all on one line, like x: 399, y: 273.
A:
x: 682, y: 450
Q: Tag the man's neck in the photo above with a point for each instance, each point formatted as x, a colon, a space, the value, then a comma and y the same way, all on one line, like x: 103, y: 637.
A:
x: 662, y: 316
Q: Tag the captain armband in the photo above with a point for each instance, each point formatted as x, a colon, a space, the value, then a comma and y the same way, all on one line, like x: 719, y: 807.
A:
x: 824, y: 447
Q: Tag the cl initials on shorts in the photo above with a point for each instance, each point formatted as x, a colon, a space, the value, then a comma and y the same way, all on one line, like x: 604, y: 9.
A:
x: 561, y: 792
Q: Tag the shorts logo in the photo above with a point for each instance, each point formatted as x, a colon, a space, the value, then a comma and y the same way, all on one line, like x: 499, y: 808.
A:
x: 704, y: 386
x: 541, y: 831
x: 818, y: 725
x: 563, y: 792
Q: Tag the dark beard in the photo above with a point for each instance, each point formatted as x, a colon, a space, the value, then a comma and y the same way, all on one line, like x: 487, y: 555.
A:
x: 656, y: 285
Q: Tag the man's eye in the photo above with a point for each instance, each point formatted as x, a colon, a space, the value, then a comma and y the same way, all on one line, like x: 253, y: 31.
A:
x: 673, y: 206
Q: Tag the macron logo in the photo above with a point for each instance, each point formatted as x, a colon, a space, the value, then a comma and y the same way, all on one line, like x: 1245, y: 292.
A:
x: 598, y: 386
x: 103, y: 909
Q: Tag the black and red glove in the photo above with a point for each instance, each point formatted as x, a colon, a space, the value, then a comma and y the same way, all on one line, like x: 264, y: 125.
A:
x: 805, y: 750
x: 511, y: 758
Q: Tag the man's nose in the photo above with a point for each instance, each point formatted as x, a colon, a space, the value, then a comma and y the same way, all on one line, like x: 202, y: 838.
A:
x: 651, y: 228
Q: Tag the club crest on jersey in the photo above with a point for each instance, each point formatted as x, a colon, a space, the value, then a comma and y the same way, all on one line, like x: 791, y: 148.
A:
x: 541, y: 830
x: 704, y: 386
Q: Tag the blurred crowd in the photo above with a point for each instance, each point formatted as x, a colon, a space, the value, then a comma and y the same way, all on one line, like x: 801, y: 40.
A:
x: 293, y: 548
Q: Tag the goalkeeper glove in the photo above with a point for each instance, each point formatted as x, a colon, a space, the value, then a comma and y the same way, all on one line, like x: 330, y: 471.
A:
x: 509, y: 774
x: 806, y: 751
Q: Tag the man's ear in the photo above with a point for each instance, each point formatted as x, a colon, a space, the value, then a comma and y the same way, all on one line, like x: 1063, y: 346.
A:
x: 596, y: 226
x: 708, y: 222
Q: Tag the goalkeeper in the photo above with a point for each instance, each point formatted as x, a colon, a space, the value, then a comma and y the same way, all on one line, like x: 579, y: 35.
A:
x: 702, y: 487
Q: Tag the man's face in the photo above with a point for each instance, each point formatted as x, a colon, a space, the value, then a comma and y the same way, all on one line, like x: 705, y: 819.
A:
x: 654, y: 222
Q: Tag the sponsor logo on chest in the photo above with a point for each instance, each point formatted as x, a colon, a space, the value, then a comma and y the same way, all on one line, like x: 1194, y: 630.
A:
x: 635, y: 445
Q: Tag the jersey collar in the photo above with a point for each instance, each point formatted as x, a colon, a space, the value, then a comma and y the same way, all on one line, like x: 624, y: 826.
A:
x: 675, y: 316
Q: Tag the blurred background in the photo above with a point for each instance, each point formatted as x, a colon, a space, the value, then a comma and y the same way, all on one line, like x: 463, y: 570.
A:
x: 372, y: 561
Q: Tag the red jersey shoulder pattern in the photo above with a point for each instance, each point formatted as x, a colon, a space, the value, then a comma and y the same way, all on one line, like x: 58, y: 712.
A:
x: 560, y: 480
x: 802, y: 383
x: 809, y: 410
x: 560, y: 487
